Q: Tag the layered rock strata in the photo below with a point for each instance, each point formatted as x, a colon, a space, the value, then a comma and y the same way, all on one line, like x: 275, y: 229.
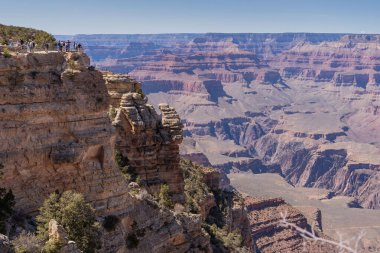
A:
x: 56, y: 136
x: 265, y: 214
x: 149, y: 142
x: 55, y: 133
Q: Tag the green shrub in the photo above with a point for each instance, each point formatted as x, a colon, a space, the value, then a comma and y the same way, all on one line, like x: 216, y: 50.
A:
x: 163, y: 196
x: 221, y: 239
x: 51, y: 247
x: 76, y: 216
x: 7, y: 202
x: 132, y: 241
x: 17, y: 33
x: 110, y: 222
x: 6, y: 53
x: 27, y: 243
x: 112, y: 113
x: 195, y: 189
x: 123, y: 163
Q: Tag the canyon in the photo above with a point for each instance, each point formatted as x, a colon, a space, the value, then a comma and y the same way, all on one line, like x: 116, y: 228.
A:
x: 305, y: 106
x: 67, y: 126
x: 273, y: 127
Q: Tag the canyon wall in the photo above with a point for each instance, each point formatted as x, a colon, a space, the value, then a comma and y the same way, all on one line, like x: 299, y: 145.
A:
x: 302, y: 105
x: 56, y: 136
x: 63, y: 126
x: 149, y: 143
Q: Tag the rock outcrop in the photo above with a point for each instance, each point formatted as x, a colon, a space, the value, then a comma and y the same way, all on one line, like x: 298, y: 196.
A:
x: 320, y: 89
x: 56, y: 136
x: 57, y: 234
x: 55, y: 132
x: 150, y: 143
x: 5, y: 244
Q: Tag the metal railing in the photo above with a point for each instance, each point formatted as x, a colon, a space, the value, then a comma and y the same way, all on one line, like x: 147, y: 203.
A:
x: 24, y: 49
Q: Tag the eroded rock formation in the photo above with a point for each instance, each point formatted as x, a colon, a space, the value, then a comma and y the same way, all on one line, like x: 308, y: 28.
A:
x: 149, y: 142
x: 56, y: 136
x: 55, y: 132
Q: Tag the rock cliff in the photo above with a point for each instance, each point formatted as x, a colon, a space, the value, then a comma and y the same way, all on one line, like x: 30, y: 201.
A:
x: 149, y: 143
x: 319, y: 90
x: 56, y: 135
x: 66, y: 126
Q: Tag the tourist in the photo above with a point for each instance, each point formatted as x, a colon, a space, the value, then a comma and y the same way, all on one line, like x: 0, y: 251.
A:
x: 79, y: 47
x: 21, y: 44
x: 32, y: 46
x: 68, y: 45
x: 60, y: 45
x: 46, y: 46
x: 28, y: 45
x: 75, y: 46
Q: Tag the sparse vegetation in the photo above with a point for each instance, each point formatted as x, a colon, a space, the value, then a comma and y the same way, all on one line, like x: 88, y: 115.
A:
x: 7, y: 202
x: 112, y: 113
x: 218, y: 222
x: 164, y: 197
x: 72, y: 65
x: 123, y: 163
x: 52, y: 247
x: 110, y: 222
x: 27, y: 243
x: 17, y: 33
x: 6, y: 53
x: 132, y: 241
x: 195, y: 189
x: 76, y: 216
x: 222, y: 239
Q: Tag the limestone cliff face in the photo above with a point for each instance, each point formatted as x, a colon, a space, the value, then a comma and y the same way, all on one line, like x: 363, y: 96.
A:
x: 149, y: 142
x: 55, y: 134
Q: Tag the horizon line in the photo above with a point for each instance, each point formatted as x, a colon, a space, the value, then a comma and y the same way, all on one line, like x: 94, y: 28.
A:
x: 205, y: 33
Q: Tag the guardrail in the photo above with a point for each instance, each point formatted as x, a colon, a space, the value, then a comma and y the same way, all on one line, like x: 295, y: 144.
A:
x: 23, y: 49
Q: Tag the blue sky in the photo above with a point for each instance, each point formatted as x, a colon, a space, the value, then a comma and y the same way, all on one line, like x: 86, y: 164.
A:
x: 196, y: 16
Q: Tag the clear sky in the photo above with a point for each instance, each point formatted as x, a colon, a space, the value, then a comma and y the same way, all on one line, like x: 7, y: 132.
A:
x: 193, y: 16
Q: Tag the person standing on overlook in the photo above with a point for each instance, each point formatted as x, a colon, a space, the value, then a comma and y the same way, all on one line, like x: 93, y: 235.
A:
x: 68, y: 45
x: 46, y: 46
x: 28, y: 45
x: 32, y: 46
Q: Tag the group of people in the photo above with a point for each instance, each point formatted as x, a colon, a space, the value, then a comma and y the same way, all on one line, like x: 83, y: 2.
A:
x: 65, y: 46
x: 30, y: 45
